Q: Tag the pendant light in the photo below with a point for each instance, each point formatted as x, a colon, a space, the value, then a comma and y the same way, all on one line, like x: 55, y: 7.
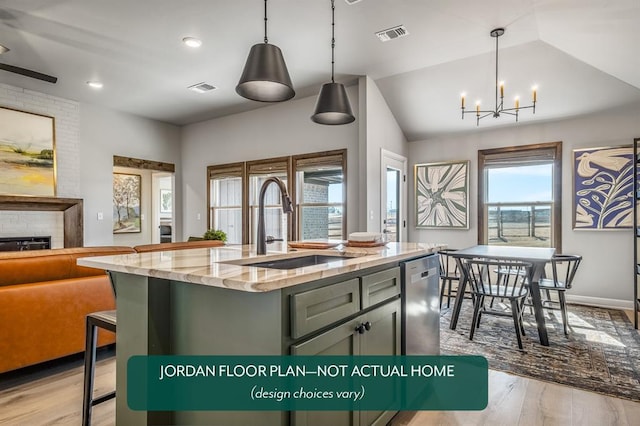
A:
x: 265, y: 77
x: 332, y: 106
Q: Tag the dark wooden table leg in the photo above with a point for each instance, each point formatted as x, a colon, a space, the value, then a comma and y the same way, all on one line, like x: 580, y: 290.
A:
x: 537, y: 303
x: 462, y: 285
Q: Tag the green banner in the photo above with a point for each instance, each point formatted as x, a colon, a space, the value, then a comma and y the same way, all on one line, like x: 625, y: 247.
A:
x: 291, y: 383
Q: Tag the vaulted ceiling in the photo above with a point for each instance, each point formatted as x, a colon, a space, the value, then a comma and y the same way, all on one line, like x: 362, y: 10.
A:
x: 584, y: 55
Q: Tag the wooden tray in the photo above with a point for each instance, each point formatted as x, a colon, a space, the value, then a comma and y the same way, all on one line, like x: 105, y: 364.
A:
x: 364, y: 244
x: 316, y: 245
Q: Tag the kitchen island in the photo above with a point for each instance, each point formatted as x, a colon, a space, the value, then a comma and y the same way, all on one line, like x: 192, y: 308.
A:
x: 229, y: 301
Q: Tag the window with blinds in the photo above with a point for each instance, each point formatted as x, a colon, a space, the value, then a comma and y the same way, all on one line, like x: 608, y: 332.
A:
x: 519, y: 196
x: 316, y: 183
x: 276, y: 222
x: 320, y: 195
x: 226, y: 200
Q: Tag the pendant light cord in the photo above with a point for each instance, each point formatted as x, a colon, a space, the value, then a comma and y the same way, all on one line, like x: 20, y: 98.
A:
x: 497, y: 37
x: 265, y: 22
x: 333, y: 38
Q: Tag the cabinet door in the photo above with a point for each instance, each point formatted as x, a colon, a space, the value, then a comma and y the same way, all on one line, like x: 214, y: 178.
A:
x: 382, y: 338
x: 341, y: 340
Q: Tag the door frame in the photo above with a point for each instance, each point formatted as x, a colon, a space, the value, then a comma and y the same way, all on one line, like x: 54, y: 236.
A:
x: 389, y: 159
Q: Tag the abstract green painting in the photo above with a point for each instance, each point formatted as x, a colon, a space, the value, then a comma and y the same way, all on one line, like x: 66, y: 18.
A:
x: 442, y: 195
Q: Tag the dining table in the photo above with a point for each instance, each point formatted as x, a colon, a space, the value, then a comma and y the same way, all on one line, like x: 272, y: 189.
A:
x: 538, y: 257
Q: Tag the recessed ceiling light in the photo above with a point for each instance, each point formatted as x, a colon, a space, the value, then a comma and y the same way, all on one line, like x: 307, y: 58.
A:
x: 192, y: 42
x: 95, y: 84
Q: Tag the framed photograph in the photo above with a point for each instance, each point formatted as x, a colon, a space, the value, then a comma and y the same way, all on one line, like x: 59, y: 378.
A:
x: 603, y: 188
x: 126, y: 203
x: 166, y: 201
x: 27, y: 153
x: 442, y: 195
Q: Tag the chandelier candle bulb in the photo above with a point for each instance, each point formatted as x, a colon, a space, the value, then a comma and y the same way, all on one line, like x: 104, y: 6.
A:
x: 534, y: 94
x: 517, y: 102
x: 463, y: 101
x: 502, y: 89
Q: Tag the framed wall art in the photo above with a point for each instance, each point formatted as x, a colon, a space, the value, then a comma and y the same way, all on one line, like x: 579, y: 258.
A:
x: 166, y: 201
x: 126, y: 203
x: 27, y: 153
x: 442, y: 195
x: 603, y: 188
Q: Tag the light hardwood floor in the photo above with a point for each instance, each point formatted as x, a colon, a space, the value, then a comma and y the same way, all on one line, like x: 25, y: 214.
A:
x: 55, y: 398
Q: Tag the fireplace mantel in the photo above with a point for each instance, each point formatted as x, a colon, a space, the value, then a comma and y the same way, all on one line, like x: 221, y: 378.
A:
x: 71, y: 207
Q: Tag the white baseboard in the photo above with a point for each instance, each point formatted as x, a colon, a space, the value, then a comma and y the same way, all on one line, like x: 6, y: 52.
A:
x: 600, y: 302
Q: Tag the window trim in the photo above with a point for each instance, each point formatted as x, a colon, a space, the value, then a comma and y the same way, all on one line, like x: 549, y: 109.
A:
x: 556, y: 218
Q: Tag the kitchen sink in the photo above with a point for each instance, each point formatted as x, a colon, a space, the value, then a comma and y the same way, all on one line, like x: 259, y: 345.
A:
x: 295, y: 262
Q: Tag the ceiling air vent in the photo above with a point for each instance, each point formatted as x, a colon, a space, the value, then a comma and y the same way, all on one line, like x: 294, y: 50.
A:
x: 202, y: 87
x: 392, y: 33
x: 352, y: 1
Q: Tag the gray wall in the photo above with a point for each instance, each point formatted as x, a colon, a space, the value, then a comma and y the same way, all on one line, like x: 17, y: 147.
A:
x: 605, y: 276
x: 103, y: 134
x: 378, y: 130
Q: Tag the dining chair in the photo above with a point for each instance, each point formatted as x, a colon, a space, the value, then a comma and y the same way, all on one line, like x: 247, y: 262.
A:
x: 448, y: 274
x: 563, y: 271
x: 486, y: 282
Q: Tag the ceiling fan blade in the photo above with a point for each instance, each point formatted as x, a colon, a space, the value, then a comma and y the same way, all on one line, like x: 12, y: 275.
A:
x: 29, y: 73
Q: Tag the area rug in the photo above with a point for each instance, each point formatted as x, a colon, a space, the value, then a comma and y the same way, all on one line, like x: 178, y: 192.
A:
x: 601, y: 353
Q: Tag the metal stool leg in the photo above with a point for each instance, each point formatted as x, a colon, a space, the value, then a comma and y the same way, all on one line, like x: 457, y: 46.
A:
x: 91, y: 343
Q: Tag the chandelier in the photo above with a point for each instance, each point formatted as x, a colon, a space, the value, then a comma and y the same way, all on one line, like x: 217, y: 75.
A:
x: 499, y: 107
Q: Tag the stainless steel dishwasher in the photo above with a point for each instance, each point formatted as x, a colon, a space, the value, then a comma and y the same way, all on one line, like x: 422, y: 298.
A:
x: 421, y: 306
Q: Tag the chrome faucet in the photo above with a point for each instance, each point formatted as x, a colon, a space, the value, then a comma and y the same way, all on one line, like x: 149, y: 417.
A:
x: 286, y: 208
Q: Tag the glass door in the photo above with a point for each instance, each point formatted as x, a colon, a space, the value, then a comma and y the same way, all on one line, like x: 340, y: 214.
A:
x: 393, y: 196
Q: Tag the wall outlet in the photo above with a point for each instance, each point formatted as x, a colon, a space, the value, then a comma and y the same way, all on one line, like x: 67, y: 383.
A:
x: 142, y: 217
x: 198, y: 216
x: 100, y: 216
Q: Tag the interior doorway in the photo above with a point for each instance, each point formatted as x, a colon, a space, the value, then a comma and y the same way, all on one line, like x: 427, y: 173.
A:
x: 154, y: 215
x: 393, y: 197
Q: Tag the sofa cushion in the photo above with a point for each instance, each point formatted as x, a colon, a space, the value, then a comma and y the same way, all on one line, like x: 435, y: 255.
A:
x: 22, y: 267
x: 44, y: 321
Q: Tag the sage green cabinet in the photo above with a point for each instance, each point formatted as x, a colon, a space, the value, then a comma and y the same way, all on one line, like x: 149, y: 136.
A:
x: 357, y: 313
x: 376, y: 332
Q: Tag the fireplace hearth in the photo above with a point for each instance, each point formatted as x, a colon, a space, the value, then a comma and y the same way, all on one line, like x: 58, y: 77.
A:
x: 24, y: 243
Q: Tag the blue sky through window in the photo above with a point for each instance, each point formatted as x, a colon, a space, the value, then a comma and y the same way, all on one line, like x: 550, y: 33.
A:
x: 520, y: 184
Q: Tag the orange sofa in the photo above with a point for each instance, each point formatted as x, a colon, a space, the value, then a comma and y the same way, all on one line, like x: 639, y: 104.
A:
x: 44, y: 298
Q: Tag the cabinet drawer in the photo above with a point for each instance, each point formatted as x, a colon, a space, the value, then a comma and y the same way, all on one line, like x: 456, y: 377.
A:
x: 380, y: 286
x: 314, y: 309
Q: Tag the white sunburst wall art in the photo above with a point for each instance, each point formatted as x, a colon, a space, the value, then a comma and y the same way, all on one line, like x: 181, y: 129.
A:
x: 603, y: 188
x: 442, y: 195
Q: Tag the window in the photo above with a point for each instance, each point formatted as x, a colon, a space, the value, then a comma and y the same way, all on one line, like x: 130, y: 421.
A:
x: 225, y: 200
x: 519, y: 196
x: 276, y: 222
x: 320, y: 191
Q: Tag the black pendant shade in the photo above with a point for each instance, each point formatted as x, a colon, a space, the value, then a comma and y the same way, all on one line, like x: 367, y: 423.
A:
x: 265, y: 77
x: 332, y: 106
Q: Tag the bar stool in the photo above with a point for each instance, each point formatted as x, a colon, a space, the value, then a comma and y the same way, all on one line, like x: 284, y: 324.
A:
x: 105, y: 320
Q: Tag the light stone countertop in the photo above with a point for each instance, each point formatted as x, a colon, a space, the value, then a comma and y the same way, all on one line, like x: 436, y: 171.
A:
x: 206, y: 266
